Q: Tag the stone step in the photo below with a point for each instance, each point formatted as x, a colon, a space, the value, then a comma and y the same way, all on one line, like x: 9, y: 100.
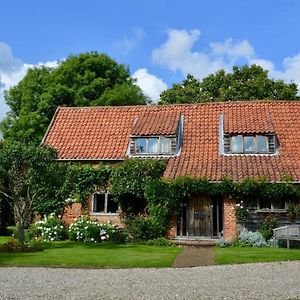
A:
x: 194, y: 243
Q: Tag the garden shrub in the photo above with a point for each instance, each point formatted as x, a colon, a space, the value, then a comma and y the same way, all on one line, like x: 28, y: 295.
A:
x: 142, y: 228
x: 86, y: 230
x: 269, y: 223
x: 49, y: 229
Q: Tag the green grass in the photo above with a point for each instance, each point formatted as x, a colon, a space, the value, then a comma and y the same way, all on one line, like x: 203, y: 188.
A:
x: 73, y: 254
x: 4, y: 239
x: 233, y: 255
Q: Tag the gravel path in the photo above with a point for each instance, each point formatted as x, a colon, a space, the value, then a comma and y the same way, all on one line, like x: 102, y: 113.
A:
x: 251, y: 281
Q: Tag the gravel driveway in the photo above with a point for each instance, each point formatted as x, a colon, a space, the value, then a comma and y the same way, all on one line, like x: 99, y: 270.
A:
x: 250, y: 281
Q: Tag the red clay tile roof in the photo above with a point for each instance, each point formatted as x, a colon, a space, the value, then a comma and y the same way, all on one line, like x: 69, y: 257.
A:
x: 156, y: 122
x: 99, y: 133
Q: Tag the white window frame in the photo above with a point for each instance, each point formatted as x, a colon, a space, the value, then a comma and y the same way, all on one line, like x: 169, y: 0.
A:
x: 106, y: 194
x: 159, y: 152
x: 272, y: 209
x: 255, y: 145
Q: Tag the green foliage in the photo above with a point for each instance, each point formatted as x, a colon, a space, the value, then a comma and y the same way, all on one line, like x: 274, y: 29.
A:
x: 142, y: 228
x: 129, y: 180
x: 83, y: 180
x: 81, y: 80
x: 28, y: 177
x: 269, y: 223
x: 14, y: 245
x: 242, y: 213
x: 292, y: 212
x: 86, y: 230
x: 244, y: 83
x: 50, y: 229
x: 161, y: 241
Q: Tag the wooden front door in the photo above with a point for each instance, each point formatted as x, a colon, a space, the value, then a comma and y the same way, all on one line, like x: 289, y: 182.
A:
x: 200, y: 217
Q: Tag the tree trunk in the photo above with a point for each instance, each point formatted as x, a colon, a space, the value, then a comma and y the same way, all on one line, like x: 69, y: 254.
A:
x: 21, y: 233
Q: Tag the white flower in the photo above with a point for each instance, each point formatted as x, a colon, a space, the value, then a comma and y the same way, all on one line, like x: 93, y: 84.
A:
x: 52, y: 239
x: 103, y: 237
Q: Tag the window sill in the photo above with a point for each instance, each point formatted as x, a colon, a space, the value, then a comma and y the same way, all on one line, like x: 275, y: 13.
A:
x: 103, y: 214
x: 267, y: 210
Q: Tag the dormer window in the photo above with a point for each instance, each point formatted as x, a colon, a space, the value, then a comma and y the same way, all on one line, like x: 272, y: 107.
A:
x: 249, y: 144
x: 156, y: 133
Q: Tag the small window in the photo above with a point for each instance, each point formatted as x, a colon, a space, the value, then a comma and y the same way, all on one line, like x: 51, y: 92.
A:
x: 153, y: 145
x: 248, y: 144
x: 104, y: 204
x: 269, y: 205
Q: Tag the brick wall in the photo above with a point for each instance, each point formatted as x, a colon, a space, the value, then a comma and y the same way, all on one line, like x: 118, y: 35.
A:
x: 71, y: 212
x: 230, y: 226
x: 173, y: 230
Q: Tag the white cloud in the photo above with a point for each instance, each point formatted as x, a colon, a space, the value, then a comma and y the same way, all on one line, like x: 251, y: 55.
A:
x: 233, y: 51
x: 129, y: 42
x: 12, y: 70
x: 177, y: 54
x: 151, y: 85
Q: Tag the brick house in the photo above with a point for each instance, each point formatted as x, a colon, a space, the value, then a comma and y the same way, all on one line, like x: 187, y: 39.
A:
x: 236, y: 139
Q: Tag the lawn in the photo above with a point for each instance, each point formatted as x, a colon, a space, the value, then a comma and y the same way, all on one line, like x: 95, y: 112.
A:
x: 233, y: 255
x: 73, y: 254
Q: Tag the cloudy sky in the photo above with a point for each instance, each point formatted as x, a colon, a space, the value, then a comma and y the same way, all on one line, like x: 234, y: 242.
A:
x: 161, y: 40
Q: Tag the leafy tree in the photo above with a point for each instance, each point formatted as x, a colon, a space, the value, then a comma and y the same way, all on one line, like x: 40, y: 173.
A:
x: 244, y: 83
x: 28, y: 177
x: 80, y: 80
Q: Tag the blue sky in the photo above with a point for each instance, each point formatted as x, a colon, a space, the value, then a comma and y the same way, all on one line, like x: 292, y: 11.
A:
x: 161, y: 40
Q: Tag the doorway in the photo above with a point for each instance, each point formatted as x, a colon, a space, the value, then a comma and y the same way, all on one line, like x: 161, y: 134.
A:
x: 200, y: 217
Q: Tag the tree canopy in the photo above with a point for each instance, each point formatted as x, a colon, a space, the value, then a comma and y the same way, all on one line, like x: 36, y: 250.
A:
x: 31, y: 180
x: 87, y: 79
x: 244, y: 83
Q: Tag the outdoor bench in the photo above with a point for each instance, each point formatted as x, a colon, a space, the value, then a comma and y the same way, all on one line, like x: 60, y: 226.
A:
x: 288, y: 233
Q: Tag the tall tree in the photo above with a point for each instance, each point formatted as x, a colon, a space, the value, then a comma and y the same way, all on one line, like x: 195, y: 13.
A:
x: 80, y: 80
x: 244, y: 83
x: 30, y: 178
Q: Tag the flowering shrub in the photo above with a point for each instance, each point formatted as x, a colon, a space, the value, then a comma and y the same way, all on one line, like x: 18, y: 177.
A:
x: 242, y: 213
x: 50, y: 229
x: 86, y: 230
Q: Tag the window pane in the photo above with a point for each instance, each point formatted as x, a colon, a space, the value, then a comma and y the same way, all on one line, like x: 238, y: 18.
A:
x: 249, y: 145
x: 165, y: 145
x: 265, y: 203
x: 262, y: 144
x: 152, y: 145
x: 99, y: 202
x: 112, y: 206
x: 279, y: 205
x: 141, y: 145
x: 237, y: 144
